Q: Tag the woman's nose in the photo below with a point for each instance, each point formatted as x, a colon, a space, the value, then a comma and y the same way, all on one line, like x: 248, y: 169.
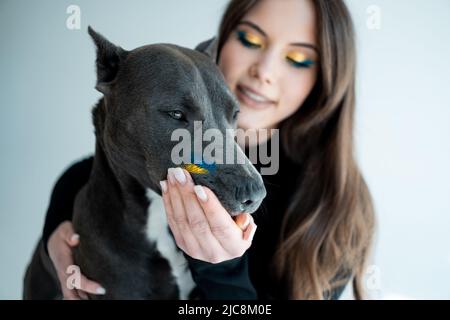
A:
x: 264, y: 69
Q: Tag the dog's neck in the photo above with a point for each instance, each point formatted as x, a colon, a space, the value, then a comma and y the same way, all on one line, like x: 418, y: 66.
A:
x: 121, y: 196
x: 120, y: 192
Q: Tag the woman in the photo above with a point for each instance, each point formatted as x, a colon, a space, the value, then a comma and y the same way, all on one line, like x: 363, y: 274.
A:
x: 291, y: 65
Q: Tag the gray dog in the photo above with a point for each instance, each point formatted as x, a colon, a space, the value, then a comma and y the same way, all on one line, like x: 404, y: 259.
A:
x: 126, y: 242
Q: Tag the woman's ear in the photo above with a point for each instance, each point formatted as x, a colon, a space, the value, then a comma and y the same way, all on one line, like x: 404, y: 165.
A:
x: 109, y: 58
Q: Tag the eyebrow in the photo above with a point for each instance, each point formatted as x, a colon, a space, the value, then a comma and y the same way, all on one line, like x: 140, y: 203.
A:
x: 261, y: 31
x: 190, y: 104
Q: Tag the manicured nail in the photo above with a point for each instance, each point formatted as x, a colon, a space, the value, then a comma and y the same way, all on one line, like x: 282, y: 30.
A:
x: 188, y: 175
x: 179, y: 175
x: 200, y: 192
x: 100, y: 290
x: 170, y: 176
x: 74, y: 237
x: 163, y: 186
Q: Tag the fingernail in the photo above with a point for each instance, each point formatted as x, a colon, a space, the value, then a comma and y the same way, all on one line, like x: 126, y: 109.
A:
x: 170, y: 176
x: 163, y: 186
x: 74, y: 237
x: 188, y: 175
x: 179, y: 175
x: 100, y: 290
x: 200, y: 192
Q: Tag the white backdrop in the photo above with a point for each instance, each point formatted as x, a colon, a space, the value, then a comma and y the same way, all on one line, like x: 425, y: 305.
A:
x: 47, y: 90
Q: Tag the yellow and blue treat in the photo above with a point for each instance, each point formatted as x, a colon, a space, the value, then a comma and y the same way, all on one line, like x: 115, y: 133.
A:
x: 201, y: 167
x: 193, y: 168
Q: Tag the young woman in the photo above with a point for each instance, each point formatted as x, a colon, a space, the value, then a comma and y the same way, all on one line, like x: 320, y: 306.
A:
x: 291, y: 64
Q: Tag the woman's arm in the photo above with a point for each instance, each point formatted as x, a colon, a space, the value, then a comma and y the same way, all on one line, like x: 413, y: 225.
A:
x: 63, y: 196
x: 58, y: 236
x: 222, y: 281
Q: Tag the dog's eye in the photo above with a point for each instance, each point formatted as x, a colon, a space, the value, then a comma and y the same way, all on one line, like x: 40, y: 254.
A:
x: 235, y: 115
x: 177, y: 115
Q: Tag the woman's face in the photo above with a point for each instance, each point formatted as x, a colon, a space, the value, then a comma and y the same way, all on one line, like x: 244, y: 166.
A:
x: 270, y: 62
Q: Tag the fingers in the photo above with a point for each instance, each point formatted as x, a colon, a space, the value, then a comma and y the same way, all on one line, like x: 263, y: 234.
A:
x: 202, y: 227
x: 60, y: 246
x: 86, y: 286
x: 90, y: 286
x: 250, y: 232
x: 178, y: 214
x: 68, y: 234
x: 74, y: 240
x: 222, y: 225
x: 197, y: 221
x: 246, y: 223
x: 82, y: 295
x: 242, y: 220
x: 169, y: 214
x: 80, y: 289
x: 68, y: 294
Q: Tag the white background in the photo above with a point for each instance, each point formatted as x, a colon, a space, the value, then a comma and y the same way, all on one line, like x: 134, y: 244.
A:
x: 47, y: 90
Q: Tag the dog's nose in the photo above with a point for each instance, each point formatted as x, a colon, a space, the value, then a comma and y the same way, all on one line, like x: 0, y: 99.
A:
x: 250, y: 195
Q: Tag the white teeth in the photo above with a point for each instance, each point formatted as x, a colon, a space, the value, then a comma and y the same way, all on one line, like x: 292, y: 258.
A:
x: 253, y: 96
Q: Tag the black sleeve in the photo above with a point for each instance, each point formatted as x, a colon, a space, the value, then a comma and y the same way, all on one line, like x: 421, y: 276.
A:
x: 228, y: 280
x: 63, y: 196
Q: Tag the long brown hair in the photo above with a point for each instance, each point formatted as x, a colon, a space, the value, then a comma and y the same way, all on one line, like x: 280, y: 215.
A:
x: 329, y: 225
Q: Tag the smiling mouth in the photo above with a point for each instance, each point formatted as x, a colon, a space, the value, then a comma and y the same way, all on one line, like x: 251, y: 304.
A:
x: 252, y: 98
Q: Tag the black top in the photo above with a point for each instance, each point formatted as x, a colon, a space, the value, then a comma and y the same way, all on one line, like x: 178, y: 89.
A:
x: 247, y: 277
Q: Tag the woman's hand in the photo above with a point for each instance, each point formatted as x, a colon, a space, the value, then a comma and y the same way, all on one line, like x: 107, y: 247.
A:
x: 59, y: 246
x: 201, y: 226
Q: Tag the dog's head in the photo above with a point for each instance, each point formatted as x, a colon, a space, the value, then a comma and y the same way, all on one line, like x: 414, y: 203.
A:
x: 152, y: 91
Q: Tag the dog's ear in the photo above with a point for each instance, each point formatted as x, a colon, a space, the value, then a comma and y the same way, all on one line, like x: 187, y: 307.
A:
x: 109, y: 58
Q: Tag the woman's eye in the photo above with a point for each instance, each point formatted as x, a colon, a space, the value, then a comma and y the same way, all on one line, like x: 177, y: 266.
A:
x: 299, y: 60
x: 250, y: 40
x: 177, y: 115
x: 235, y: 115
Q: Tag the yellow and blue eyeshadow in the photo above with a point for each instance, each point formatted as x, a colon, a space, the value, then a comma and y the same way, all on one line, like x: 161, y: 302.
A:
x: 250, y: 40
x: 296, y: 59
x: 299, y: 60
